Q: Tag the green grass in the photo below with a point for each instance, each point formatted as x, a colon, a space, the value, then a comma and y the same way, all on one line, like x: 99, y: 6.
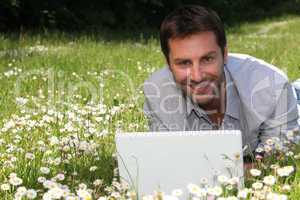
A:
x: 273, y: 41
x: 68, y: 70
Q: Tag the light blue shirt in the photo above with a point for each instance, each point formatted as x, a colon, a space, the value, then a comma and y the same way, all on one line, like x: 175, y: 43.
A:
x: 198, y: 120
x: 259, y: 102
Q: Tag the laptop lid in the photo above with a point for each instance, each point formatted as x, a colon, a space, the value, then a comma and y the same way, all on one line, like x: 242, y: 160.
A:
x: 166, y: 161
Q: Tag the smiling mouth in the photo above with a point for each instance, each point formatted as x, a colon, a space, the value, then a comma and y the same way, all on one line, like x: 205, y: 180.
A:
x: 202, y: 88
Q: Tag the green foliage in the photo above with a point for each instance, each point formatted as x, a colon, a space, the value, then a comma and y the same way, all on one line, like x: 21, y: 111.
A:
x: 130, y: 14
x: 86, y: 61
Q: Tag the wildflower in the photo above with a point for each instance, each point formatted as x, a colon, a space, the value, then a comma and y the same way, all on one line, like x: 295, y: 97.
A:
x: 274, y: 166
x: 97, y: 182
x: 257, y: 185
x: 147, y: 197
x: 105, y: 198
x: 233, y: 181
x: 289, y: 153
x: 231, y: 198
x: 297, y: 156
x: 259, y: 150
x: 5, y: 187
x: 57, y: 161
x: 202, y: 193
x: 21, y: 191
x: 286, y: 188
x: 131, y: 195
x: 45, y: 170
x: 222, y: 179
x: 93, y: 168
x: 72, y: 197
x: 283, y: 197
x: 82, y: 186
x: 255, y: 172
x: 60, y: 177
x: 243, y: 194
x: 15, y: 181
x: 229, y: 187
x: 237, y: 156
x: 41, y: 179
x: 269, y: 180
x: 272, y: 196
x: 216, y: 191
x: 177, y: 192
x: 169, y: 197
x: 193, y: 189
x: 267, y: 148
x: 53, y: 140
x: 290, y: 135
x: 259, y: 194
x: 21, y: 101
x: 12, y: 175
x: 285, y: 171
x: 84, y: 195
x: 31, y: 194
x: 269, y: 142
x: 56, y: 193
x: 29, y: 156
x: 49, y: 184
x: 125, y: 185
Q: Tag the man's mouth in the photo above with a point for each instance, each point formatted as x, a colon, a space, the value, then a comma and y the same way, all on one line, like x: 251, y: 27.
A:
x: 201, y: 88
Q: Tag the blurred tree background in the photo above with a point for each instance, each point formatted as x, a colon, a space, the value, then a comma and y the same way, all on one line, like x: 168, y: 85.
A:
x: 77, y: 15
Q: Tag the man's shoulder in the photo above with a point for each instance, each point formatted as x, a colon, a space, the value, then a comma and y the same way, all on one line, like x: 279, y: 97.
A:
x: 164, y: 100
x: 259, y: 84
x: 161, y: 75
x: 161, y: 81
x: 252, y: 67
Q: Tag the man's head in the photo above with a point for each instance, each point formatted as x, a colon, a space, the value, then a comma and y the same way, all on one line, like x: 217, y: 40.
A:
x: 194, y: 44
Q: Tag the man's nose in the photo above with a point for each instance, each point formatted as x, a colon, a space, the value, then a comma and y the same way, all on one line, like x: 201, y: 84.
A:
x: 196, y: 74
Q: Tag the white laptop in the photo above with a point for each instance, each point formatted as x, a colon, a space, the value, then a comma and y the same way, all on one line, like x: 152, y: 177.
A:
x: 165, y: 161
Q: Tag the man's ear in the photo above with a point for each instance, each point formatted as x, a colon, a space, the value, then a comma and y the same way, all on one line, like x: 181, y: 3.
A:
x: 225, y: 54
x: 168, y: 62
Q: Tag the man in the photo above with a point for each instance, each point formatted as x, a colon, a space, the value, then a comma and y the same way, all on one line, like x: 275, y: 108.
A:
x: 203, y: 87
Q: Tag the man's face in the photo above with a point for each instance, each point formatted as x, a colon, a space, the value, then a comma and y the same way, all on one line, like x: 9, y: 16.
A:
x: 197, y: 62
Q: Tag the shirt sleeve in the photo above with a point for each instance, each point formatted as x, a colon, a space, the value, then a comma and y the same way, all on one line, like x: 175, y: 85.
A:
x: 284, y: 117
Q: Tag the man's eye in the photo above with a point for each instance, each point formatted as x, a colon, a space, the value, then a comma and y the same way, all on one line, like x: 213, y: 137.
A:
x: 208, y: 59
x: 184, y: 63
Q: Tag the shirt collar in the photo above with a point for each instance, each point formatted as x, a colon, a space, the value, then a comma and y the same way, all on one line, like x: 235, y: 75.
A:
x: 232, y: 100
x: 191, y: 106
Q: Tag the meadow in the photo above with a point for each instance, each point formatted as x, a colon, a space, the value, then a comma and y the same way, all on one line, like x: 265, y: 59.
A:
x: 64, y: 96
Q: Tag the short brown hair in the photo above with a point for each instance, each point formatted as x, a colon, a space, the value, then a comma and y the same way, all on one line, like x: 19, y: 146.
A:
x: 188, y: 20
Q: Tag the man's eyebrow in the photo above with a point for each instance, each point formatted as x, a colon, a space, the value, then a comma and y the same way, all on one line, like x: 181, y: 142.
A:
x: 210, y: 53
x: 181, y: 59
